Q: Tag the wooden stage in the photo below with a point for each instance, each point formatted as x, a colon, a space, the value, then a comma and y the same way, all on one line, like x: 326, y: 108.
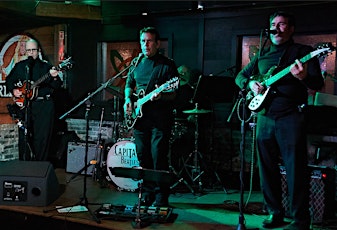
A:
x: 210, y: 209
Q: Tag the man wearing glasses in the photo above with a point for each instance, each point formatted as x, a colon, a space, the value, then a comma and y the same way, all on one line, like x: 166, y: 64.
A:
x: 35, y: 100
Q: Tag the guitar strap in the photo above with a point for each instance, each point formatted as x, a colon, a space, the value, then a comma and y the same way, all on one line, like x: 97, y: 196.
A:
x: 288, y: 54
x: 154, y: 77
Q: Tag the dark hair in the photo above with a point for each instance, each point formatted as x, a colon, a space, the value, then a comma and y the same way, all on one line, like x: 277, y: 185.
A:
x: 291, y: 17
x: 150, y: 30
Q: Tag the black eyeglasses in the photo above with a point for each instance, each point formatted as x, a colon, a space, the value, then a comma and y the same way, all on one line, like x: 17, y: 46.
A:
x: 31, y: 50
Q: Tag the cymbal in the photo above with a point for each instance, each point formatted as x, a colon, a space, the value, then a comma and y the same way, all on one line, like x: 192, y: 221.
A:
x: 197, y: 111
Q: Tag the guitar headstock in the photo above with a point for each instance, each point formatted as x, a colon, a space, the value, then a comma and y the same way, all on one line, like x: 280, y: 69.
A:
x: 324, y: 49
x: 172, y: 83
x: 65, y: 64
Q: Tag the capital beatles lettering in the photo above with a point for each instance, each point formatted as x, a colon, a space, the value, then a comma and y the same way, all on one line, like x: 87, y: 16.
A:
x: 128, y: 156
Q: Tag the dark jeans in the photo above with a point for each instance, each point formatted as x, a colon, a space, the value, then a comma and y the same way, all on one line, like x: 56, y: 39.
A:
x: 284, y: 139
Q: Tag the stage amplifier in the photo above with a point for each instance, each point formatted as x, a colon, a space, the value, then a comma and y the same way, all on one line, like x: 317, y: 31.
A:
x: 76, y: 155
x: 322, y: 193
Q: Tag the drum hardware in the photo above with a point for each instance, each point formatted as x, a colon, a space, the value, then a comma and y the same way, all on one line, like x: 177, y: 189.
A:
x: 138, y: 173
x: 179, y: 129
x: 98, y: 155
x: 196, y: 156
x: 181, y: 179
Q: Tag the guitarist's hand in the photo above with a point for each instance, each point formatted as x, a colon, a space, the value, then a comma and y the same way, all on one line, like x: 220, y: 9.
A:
x: 298, y: 70
x: 156, y: 96
x: 53, y: 72
x: 128, y: 106
x: 256, y: 87
x: 17, y: 93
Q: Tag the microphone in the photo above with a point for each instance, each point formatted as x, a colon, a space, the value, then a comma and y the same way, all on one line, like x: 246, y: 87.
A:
x: 30, y: 60
x: 138, y: 59
x: 268, y: 31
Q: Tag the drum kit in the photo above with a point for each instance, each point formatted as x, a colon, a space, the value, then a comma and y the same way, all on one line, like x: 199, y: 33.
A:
x: 123, y: 153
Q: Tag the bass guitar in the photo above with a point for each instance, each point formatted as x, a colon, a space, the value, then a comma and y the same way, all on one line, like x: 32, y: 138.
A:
x: 256, y: 104
x: 29, y: 89
x: 130, y: 120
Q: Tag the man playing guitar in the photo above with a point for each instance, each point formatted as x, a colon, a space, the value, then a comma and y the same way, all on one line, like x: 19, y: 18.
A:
x: 35, y: 139
x: 152, y: 130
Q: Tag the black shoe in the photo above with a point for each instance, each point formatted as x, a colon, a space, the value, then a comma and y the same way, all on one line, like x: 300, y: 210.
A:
x: 296, y: 226
x: 161, y: 200
x: 160, y: 204
x: 273, y: 221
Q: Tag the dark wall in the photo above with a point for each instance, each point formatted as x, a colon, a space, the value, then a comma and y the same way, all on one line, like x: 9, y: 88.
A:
x: 207, y: 41
x: 82, y: 43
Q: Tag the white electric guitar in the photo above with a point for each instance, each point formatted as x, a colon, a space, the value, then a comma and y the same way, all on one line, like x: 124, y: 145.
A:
x: 256, y: 104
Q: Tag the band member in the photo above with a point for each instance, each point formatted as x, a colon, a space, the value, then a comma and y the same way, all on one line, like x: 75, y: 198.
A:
x: 35, y: 136
x: 281, y: 131
x: 152, y: 130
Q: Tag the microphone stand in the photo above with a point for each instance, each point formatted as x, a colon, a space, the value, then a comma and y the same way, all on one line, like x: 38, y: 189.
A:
x: 243, y: 95
x: 103, y: 86
x: 84, y: 200
x: 192, y: 101
x: 241, y: 225
x: 26, y: 122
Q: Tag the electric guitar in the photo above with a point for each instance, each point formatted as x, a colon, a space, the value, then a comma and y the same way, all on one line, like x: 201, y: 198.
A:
x: 29, y: 89
x: 130, y: 120
x: 256, y: 104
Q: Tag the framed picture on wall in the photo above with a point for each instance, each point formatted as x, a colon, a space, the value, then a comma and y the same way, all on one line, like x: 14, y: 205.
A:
x: 250, y: 48
x: 116, y: 58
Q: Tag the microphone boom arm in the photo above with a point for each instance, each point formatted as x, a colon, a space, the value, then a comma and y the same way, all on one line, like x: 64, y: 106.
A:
x: 103, y: 86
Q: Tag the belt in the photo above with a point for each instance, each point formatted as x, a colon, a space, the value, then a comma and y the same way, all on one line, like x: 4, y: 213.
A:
x: 41, y: 98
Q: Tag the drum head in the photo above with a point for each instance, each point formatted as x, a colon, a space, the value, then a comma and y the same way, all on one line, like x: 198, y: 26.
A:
x: 123, y: 154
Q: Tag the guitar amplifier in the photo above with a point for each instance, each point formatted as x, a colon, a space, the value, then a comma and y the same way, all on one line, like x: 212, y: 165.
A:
x: 321, y: 194
x: 76, y: 155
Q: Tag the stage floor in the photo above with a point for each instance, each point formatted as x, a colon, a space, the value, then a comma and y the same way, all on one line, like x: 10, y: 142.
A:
x: 216, y: 208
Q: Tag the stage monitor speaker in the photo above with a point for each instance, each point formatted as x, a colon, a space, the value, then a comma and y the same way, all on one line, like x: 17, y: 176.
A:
x: 322, y: 193
x: 28, y: 183
x: 76, y: 156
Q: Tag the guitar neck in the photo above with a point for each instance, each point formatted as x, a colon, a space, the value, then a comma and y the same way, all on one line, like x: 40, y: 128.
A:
x: 40, y: 80
x: 147, y: 97
x: 44, y: 77
x: 285, y: 71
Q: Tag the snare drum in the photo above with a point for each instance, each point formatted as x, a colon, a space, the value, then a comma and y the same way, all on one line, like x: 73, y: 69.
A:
x: 123, y: 154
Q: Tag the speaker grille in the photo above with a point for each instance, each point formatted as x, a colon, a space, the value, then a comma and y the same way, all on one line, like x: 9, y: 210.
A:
x: 321, y: 194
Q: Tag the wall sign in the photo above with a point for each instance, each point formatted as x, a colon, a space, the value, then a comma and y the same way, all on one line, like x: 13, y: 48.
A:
x: 12, y: 51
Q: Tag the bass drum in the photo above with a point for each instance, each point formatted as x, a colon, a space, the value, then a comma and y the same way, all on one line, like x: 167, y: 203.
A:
x: 123, y: 154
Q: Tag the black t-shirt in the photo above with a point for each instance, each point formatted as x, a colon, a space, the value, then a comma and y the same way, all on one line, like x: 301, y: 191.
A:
x: 149, y: 72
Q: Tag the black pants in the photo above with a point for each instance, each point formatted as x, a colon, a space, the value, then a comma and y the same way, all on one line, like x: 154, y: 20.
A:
x: 34, y: 145
x: 284, y: 139
x: 152, y: 151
